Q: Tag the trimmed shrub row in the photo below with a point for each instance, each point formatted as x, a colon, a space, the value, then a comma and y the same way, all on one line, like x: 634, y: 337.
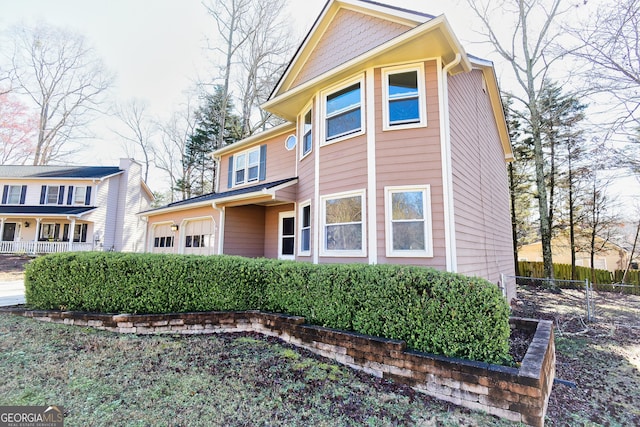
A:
x: 432, y: 311
x: 604, y: 279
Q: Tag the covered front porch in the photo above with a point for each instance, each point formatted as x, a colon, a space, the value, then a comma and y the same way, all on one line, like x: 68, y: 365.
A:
x: 21, y: 233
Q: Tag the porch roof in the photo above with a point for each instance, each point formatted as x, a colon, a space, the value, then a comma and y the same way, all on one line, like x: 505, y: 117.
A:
x: 212, y: 198
x: 45, y: 210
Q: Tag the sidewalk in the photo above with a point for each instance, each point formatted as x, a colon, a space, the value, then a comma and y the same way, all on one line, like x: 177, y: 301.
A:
x: 11, y: 293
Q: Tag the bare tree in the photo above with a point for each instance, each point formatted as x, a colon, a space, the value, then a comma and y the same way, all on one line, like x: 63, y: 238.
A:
x: 608, y: 48
x: 256, y: 43
x: 63, y: 78
x: 169, y: 154
x: 140, y: 131
x: 526, y: 46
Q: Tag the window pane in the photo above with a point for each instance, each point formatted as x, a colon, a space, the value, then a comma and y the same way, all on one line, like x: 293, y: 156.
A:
x: 403, y: 84
x: 404, y: 111
x: 253, y: 174
x: 306, y: 138
x: 254, y: 157
x: 343, y: 124
x: 407, y: 205
x: 80, y: 195
x: 14, y: 194
x: 287, y: 245
x: 156, y: 242
x: 344, y: 237
x: 288, y: 226
x: 305, y: 240
x: 240, y: 176
x: 346, y: 209
x: 188, y: 242
x: 306, y: 216
x: 408, y: 235
x: 346, y: 98
x: 52, y: 194
x: 162, y: 242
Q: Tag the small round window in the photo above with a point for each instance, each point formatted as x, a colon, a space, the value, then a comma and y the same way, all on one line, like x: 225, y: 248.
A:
x: 290, y: 142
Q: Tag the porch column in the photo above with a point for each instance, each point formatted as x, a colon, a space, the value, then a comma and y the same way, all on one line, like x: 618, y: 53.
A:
x: 72, y: 230
x: 35, y: 239
x: 1, y: 228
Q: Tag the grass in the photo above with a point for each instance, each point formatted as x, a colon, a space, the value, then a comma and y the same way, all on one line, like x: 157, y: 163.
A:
x: 106, y: 379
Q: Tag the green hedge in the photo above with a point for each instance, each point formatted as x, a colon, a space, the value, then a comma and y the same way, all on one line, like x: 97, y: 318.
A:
x: 432, y: 311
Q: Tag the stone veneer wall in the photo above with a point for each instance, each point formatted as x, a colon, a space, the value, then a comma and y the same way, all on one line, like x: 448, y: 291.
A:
x: 518, y: 394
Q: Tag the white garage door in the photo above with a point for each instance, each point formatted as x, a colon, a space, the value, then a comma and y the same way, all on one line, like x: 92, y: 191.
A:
x: 198, y: 237
x: 163, y: 239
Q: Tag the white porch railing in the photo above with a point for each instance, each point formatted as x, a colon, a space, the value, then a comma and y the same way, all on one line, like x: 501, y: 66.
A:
x: 30, y: 247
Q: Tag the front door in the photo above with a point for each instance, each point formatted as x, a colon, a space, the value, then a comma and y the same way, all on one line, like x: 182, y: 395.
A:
x: 9, y: 233
x: 286, y: 235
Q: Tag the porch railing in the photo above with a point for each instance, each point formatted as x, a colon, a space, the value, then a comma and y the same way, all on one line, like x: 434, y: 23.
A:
x: 30, y: 247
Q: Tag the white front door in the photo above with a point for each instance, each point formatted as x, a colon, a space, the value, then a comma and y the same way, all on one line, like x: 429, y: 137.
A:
x: 287, y: 235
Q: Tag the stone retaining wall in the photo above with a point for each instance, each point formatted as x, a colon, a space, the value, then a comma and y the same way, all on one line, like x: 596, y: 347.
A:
x: 518, y: 394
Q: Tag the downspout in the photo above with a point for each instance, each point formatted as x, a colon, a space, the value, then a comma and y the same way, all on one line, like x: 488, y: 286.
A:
x: 447, y: 172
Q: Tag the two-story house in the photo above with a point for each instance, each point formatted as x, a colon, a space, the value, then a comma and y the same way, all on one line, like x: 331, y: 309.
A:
x: 48, y: 209
x: 394, y: 150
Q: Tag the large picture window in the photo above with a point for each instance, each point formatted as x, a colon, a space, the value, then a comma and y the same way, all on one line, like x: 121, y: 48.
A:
x: 404, y: 98
x: 343, y: 112
x: 343, y: 225
x: 408, y: 225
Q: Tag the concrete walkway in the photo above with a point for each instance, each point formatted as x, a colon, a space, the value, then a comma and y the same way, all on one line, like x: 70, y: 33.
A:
x: 11, y: 293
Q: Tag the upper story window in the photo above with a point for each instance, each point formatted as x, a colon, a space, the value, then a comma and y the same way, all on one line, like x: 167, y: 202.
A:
x: 247, y: 166
x: 404, y: 103
x: 14, y: 194
x: 52, y: 194
x: 79, y: 196
x: 307, y: 136
x: 343, y: 112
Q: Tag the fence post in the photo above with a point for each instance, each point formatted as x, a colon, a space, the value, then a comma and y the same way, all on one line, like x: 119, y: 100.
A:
x: 588, y: 299
x: 503, y: 287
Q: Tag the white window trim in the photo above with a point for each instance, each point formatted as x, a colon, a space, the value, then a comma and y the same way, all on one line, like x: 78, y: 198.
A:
x: 307, y: 109
x: 246, y: 166
x: 281, y: 216
x: 19, y: 187
x: 46, y: 199
x: 301, y: 207
x: 342, y: 253
x: 75, y: 195
x: 428, y: 229
x: 323, y: 125
x: 422, y: 96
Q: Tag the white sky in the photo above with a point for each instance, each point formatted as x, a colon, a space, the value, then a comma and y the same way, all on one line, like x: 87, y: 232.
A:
x: 156, y: 49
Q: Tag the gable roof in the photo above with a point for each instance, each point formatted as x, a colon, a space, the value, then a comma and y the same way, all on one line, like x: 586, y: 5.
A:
x: 60, y: 172
x: 427, y: 35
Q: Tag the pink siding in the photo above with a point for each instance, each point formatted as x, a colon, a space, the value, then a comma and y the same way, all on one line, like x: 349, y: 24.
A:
x: 412, y: 157
x: 349, y: 35
x: 480, y: 182
x: 244, y: 231
x: 343, y: 166
x: 271, y: 220
x: 280, y: 162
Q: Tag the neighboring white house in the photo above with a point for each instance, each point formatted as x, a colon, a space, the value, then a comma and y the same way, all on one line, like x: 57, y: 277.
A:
x: 48, y: 209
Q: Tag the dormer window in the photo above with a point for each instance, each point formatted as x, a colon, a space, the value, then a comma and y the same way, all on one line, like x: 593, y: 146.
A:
x: 404, y: 98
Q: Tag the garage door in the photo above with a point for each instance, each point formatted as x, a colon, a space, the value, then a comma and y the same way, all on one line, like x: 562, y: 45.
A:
x: 198, y: 237
x: 163, y: 239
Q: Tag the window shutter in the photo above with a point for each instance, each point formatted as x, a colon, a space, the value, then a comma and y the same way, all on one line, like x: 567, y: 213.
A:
x: 70, y: 195
x: 230, y: 173
x: 87, y: 197
x: 5, y: 194
x: 65, y: 232
x: 56, y: 233
x: 23, y: 194
x: 61, y: 195
x: 263, y: 163
x: 83, y: 233
x: 43, y: 194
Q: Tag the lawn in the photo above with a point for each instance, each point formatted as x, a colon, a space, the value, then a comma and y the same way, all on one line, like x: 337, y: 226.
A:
x: 106, y: 379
